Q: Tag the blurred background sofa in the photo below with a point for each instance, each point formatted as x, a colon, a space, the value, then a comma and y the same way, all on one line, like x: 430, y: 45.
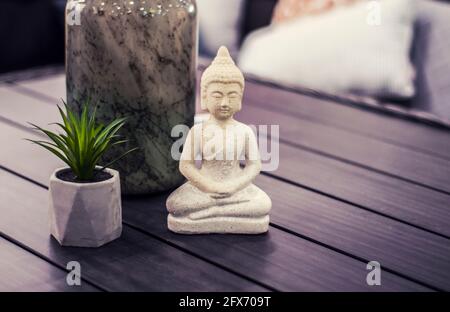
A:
x: 32, y: 31
x: 32, y: 34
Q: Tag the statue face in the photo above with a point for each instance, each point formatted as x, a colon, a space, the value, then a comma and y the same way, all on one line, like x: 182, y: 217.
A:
x: 223, y: 100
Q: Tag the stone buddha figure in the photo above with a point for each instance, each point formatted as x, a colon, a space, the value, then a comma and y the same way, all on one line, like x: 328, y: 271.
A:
x: 219, y: 197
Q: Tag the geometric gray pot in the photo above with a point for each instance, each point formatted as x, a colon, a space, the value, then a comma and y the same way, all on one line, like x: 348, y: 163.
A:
x: 85, y: 214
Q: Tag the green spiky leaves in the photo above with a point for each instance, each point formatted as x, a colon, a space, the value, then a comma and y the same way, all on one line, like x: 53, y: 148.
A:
x: 83, y: 141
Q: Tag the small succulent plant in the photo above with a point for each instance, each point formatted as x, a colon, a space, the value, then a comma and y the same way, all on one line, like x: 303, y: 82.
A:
x: 83, y: 142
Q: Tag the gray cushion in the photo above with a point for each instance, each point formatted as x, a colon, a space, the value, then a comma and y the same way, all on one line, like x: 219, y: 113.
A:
x: 431, y: 56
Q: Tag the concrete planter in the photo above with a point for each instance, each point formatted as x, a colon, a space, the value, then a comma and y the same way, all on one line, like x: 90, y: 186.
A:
x: 85, y: 214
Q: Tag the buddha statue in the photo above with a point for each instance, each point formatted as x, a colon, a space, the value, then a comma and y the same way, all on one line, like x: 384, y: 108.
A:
x: 219, y: 196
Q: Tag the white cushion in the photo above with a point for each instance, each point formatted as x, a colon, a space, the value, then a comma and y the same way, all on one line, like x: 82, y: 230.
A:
x: 339, y: 51
x: 220, y: 23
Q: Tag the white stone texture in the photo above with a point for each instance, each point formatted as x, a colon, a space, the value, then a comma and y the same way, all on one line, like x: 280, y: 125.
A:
x: 85, y: 214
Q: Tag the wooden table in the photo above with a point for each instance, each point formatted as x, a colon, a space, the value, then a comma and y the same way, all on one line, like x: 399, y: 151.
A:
x: 352, y: 186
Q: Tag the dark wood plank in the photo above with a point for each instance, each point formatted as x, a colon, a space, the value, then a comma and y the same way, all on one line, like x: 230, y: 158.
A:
x: 16, y: 107
x: 351, y: 147
x: 23, y: 271
x: 279, y: 259
x: 135, y: 262
x: 285, y: 261
x: 52, y: 87
x: 410, y: 203
x: 402, y: 248
x: 390, y: 129
x: 385, y: 128
x: 32, y: 73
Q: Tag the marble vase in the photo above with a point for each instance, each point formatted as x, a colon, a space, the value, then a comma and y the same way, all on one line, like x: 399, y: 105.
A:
x: 136, y: 59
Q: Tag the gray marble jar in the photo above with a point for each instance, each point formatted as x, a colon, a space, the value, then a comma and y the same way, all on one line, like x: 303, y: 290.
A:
x: 136, y: 59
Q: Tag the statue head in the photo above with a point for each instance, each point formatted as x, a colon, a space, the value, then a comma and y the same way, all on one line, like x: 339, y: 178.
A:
x: 222, y: 86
